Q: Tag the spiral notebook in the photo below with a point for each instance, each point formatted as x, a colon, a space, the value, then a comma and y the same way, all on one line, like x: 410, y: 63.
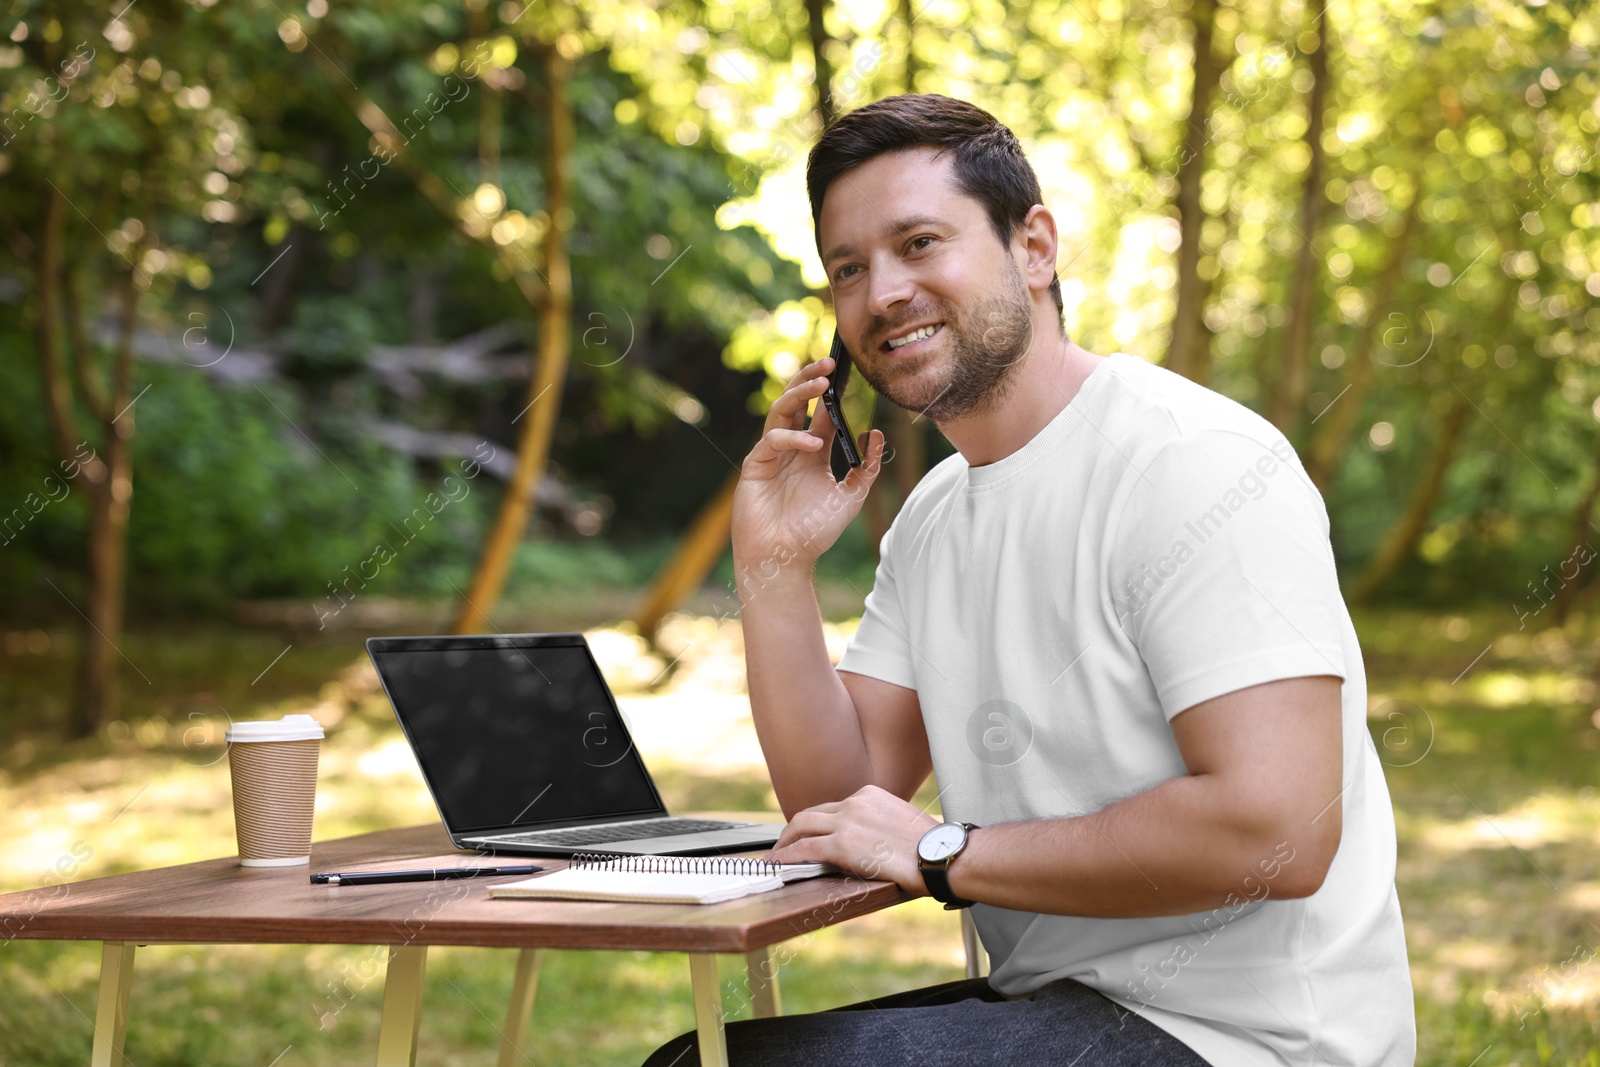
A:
x: 661, y: 879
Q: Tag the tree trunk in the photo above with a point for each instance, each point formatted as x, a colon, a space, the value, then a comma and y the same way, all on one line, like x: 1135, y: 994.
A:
x: 708, y: 534
x: 908, y: 436
x: 490, y: 120
x: 1189, y: 351
x: 907, y: 18
x: 110, y: 502
x: 108, y: 481
x: 875, y: 516
x: 816, y: 10
x: 1288, y: 400
x: 422, y: 304
x: 57, y: 387
x: 906, y: 451
x: 1582, y: 527
x: 905, y: 436
x: 1401, y: 540
x: 1328, y: 447
x: 533, y: 447
x: 96, y: 698
x: 282, y: 278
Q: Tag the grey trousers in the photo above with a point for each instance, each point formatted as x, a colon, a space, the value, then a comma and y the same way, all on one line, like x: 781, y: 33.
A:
x: 963, y: 1023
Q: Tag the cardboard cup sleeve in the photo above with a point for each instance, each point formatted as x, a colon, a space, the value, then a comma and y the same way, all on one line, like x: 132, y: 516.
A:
x: 274, y: 796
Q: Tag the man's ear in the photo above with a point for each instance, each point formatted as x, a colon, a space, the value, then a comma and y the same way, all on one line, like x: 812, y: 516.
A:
x: 1038, y: 236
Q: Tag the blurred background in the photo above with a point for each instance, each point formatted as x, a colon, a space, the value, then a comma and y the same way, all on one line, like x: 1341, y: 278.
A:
x: 320, y: 320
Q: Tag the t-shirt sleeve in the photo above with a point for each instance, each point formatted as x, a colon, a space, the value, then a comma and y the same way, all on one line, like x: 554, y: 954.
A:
x: 1221, y: 570
x: 879, y: 648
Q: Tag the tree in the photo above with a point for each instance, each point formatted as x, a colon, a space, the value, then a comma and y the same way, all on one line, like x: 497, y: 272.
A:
x: 1401, y: 541
x: 555, y: 324
x: 1583, y: 533
x: 816, y: 25
x: 1288, y: 400
x: 905, y: 434
x: 706, y: 540
x: 107, y: 482
x: 1332, y: 439
x: 1189, y: 351
x: 94, y: 165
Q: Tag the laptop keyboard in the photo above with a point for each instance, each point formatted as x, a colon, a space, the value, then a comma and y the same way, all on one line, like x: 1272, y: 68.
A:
x: 599, y: 835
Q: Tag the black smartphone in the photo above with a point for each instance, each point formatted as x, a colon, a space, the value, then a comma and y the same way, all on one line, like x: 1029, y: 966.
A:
x: 831, y: 397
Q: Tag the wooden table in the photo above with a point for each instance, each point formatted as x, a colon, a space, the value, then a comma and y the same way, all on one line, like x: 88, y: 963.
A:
x: 219, y: 902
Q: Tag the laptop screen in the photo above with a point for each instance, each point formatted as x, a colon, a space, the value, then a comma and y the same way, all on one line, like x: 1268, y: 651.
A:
x: 516, y: 736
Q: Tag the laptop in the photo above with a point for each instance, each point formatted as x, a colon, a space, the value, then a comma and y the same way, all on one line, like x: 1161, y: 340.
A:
x: 525, y: 751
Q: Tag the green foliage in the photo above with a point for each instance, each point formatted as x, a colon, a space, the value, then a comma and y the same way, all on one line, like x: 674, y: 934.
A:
x: 247, y: 507
x: 547, y: 565
x: 231, y: 501
x: 206, y: 142
x: 226, y: 146
x: 331, y: 333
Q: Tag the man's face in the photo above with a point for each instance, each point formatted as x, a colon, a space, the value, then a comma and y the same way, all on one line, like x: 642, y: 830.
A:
x: 906, y: 251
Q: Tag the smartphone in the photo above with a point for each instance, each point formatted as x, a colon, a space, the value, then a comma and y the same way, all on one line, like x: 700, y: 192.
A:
x: 831, y: 397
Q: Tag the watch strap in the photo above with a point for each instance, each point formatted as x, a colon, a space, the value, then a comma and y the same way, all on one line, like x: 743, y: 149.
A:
x: 937, y: 878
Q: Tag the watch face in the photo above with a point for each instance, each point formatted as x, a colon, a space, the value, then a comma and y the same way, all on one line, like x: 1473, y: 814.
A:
x: 942, y: 840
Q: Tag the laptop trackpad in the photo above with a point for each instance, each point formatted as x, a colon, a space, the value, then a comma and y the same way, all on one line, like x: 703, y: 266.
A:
x: 728, y: 839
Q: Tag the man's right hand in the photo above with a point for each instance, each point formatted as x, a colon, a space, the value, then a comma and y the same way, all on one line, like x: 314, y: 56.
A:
x: 788, y: 509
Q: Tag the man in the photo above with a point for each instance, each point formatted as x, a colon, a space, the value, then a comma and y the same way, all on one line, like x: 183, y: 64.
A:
x: 1110, y: 626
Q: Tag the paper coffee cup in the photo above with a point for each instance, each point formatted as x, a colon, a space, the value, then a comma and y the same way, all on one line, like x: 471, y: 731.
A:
x: 274, y: 765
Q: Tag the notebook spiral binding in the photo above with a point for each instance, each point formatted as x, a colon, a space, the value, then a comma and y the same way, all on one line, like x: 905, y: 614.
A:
x: 617, y: 861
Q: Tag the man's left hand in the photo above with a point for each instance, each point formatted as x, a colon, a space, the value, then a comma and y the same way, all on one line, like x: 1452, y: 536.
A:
x: 871, y: 833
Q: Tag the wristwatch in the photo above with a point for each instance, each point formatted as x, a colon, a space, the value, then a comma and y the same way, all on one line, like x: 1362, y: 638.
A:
x: 937, y: 848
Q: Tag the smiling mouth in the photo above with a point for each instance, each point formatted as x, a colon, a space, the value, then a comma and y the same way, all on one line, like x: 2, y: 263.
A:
x: 913, y: 339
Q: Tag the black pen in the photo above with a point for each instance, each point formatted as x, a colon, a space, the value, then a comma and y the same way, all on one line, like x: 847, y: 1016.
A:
x: 434, y: 874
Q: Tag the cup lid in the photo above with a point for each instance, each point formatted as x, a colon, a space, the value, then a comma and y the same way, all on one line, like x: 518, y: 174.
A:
x: 288, y: 728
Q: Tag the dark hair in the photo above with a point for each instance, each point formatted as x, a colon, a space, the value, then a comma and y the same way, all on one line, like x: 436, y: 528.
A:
x: 989, y: 164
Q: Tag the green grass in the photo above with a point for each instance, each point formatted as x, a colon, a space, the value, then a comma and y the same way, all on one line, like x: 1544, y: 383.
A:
x: 245, y: 1004
x: 1493, y: 779
x: 1493, y: 775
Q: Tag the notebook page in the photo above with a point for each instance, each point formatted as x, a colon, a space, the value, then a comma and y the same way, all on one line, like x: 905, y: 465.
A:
x: 663, y: 888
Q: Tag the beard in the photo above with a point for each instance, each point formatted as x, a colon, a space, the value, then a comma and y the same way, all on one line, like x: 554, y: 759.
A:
x: 986, y: 343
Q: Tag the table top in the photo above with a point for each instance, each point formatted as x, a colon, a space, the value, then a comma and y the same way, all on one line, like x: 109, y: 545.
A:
x: 219, y: 902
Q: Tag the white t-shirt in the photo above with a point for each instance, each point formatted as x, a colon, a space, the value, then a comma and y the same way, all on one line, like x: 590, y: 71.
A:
x: 1154, y: 546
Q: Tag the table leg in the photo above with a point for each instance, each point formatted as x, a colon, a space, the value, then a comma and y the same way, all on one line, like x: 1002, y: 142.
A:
x: 111, y: 1011
x: 763, y: 977
x: 977, y: 958
x: 713, y: 1042
x: 522, y: 991
x: 402, y: 1006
